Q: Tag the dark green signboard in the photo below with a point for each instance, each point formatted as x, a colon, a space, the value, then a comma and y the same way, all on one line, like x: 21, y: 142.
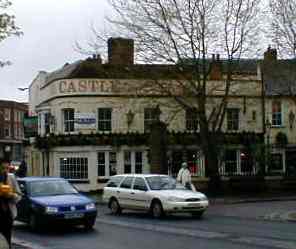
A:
x: 31, y: 126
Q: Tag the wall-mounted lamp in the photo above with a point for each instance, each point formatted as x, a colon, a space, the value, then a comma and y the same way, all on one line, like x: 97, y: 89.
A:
x: 130, y: 117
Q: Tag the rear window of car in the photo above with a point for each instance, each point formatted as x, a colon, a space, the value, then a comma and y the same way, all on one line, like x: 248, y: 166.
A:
x: 127, y: 182
x: 114, y: 181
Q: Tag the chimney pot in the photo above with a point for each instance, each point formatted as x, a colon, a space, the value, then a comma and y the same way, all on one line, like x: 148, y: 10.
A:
x: 121, y: 51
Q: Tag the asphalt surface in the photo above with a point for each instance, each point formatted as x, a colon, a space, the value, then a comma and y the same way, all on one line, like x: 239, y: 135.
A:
x: 240, y: 225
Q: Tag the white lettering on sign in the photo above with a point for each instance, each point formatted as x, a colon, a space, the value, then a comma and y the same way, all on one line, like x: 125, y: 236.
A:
x: 85, y: 85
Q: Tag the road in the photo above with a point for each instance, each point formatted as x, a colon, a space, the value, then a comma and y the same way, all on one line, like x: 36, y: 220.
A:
x: 223, y: 226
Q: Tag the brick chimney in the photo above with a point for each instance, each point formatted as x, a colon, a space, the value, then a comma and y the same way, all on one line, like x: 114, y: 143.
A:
x: 121, y: 51
x: 216, y: 68
x: 270, y: 54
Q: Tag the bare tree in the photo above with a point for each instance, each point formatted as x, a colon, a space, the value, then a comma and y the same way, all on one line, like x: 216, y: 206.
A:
x: 185, y: 33
x: 7, y: 25
x: 283, y: 26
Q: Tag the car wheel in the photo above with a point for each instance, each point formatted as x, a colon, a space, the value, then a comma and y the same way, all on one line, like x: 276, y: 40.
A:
x: 114, y: 206
x: 197, y: 214
x: 156, y: 209
x: 89, y: 224
x: 33, y: 223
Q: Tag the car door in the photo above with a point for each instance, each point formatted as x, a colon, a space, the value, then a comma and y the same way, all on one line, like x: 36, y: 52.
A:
x: 140, y: 193
x: 124, y: 193
x: 23, y: 206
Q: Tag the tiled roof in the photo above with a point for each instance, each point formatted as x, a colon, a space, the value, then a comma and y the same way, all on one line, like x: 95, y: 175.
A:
x: 279, y: 77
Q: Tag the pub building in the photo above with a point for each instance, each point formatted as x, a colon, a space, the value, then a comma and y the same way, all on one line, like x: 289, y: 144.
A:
x: 98, y: 119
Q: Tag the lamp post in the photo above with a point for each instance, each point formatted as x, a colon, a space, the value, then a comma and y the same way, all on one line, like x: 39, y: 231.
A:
x: 268, y: 131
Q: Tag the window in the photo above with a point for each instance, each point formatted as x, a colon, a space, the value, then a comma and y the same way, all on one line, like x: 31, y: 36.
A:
x: 101, y: 163
x: 139, y: 162
x: 104, y: 119
x: 74, y: 168
x: 112, y: 163
x: 276, y: 113
x: 150, y: 115
x: 46, y: 122
x: 230, y: 161
x: 7, y: 131
x: 127, y: 182
x: 233, y: 119
x: 114, y: 181
x: 6, y: 114
x: 127, y: 162
x: 140, y: 184
x: 191, y: 120
x: 68, y: 120
x: 254, y: 115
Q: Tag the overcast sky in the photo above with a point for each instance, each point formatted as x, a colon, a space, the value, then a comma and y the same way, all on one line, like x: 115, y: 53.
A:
x: 50, y: 28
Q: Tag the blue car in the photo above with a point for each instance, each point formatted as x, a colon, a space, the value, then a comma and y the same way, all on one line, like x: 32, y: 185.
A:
x: 48, y: 200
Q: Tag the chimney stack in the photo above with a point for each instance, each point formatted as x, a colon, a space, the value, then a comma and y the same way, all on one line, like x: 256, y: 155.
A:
x: 216, y: 68
x: 120, y: 51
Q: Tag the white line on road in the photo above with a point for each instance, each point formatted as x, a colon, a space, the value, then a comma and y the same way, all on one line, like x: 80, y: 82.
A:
x: 266, y: 242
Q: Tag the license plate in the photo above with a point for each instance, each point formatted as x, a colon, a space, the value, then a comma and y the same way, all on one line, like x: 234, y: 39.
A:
x: 194, y: 205
x: 74, y: 216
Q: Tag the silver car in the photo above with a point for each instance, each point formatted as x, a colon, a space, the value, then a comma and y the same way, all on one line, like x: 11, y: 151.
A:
x: 158, y: 194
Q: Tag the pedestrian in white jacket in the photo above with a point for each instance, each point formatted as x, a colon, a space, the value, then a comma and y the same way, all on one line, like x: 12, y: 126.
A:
x: 184, y: 176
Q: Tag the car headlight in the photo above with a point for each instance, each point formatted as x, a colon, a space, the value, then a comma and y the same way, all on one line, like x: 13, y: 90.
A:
x: 203, y: 198
x: 175, y: 199
x: 90, y: 206
x: 51, y: 210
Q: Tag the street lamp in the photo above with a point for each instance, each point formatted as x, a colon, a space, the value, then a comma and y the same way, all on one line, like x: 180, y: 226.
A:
x: 23, y: 88
x: 268, y: 131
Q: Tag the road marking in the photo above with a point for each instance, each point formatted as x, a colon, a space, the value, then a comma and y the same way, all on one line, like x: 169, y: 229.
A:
x: 257, y: 241
x: 165, y: 229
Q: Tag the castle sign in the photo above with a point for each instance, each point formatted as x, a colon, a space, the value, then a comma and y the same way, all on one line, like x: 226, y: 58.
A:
x: 85, y: 86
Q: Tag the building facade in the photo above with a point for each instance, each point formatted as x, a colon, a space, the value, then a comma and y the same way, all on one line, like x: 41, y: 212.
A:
x: 12, y: 130
x: 94, y: 120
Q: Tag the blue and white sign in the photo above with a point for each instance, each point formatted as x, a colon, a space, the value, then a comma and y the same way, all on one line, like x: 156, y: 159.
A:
x: 85, y: 121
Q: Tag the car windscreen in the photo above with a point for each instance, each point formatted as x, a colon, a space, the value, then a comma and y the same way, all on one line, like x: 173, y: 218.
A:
x: 48, y: 188
x: 163, y: 183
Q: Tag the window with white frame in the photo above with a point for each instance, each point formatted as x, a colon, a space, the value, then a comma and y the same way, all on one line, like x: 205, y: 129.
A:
x: 127, y: 162
x: 7, y: 114
x: 191, y: 120
x: 47, y: 122
x: 276, y: 113
x: 68, y: 115
x: 112, y: 163
x: 232, y: 115
x: 104, y: 119
x: 106, y: 166
x: 7, y: 130
x: 150, y: 116
x: 101, y: 164
x: 138, y: 162
x: 74, y: 168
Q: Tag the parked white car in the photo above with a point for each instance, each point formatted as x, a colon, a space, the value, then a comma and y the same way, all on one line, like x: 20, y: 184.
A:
x: 158, y: 194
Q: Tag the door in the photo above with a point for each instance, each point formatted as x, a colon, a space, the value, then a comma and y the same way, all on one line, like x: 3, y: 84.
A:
x: 140, y: 194
x: 124, y: 192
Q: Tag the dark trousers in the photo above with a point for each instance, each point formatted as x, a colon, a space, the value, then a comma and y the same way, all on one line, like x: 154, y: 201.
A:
x: 6, y: 223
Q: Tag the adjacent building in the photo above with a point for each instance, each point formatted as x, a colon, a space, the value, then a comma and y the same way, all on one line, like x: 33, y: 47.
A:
x: 12, y: 130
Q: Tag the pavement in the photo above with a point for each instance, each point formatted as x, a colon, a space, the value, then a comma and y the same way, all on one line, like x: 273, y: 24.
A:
x: 289, y: 216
